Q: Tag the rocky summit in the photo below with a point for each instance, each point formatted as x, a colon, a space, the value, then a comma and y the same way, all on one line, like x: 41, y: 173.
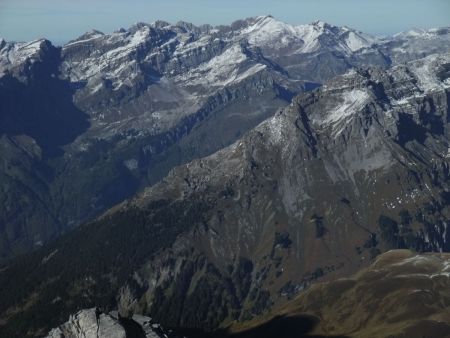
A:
x: 316, y: 192
x: 87, y: 125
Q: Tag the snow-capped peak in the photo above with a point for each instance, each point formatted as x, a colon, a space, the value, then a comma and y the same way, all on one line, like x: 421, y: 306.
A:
x: 419, y: 33
x: 93, y: 32
x: 415, y: 32
x: 320, y: 24
x: 13, y: 53
x: 266, y: 31
x: 160, y: 24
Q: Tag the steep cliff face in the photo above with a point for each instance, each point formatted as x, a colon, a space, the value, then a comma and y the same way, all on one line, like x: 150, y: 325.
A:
x: 346, y: 172
x: 87, y: 125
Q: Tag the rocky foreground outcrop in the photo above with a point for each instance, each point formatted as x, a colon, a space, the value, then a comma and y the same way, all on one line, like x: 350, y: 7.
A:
x: 92, y: 323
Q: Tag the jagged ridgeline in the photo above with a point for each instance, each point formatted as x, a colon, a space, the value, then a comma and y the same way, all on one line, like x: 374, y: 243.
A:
x: 87, y: 125
x: 345, y: 172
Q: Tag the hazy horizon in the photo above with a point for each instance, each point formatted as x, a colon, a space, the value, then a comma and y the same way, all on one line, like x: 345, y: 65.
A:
x: 63, y: 20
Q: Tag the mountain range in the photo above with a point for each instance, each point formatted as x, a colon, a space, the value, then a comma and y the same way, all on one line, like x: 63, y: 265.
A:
x: 216, y: 172
x: 87, y: 125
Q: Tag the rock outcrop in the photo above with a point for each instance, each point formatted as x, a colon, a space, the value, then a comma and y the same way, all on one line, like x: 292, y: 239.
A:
x: 92, y: 323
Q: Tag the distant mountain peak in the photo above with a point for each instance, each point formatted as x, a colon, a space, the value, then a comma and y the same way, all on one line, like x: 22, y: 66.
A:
x: 265, y: 18
x: 94, y: 32
x: 414, y: 32
x: 320, y: 23
x: 160, y: 24
x: 16, y: 53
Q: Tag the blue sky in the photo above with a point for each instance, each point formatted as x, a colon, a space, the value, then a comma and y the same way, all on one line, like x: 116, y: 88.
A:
x: 62, y: 20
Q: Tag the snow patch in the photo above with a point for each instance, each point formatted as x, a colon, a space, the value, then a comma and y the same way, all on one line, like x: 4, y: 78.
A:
x: 310, y: 35
x: 49, y: 256
x: 276, y: 125
x: 93, y: 37
x: 425, y: 71
x: 354, y: 101
x: 355, y: 42
x: 131, y: 164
